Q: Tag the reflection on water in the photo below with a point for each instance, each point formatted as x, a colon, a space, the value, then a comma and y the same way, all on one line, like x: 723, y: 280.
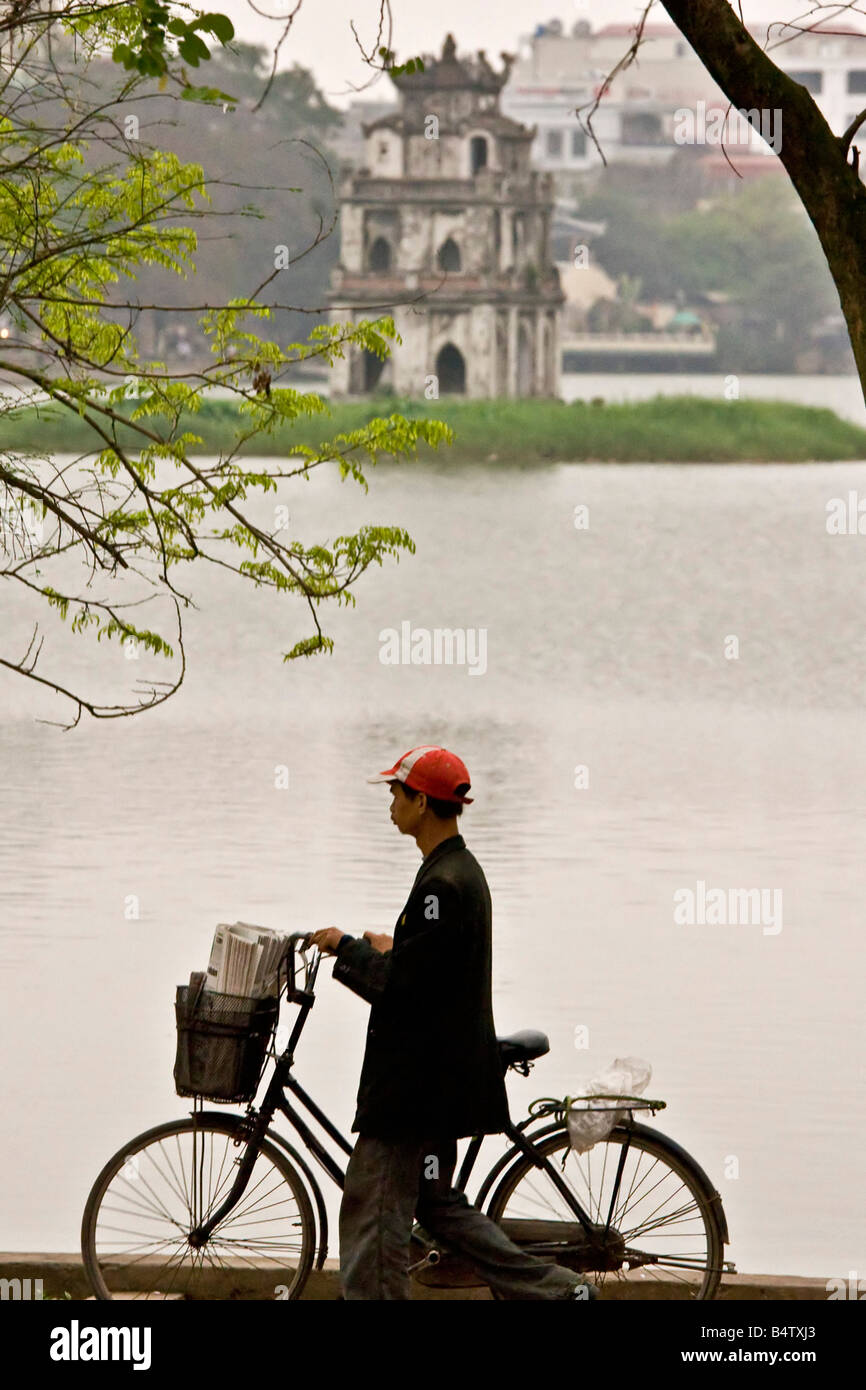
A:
x: 127, y: 841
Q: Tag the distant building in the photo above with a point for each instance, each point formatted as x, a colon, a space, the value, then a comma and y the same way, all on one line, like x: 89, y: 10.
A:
x: 557, y: 72
x: 448, y: 212
x: 831, y: 66
x: 641, y: 111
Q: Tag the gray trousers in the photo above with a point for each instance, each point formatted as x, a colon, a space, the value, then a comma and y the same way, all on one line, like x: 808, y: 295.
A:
x: 390, y: 1183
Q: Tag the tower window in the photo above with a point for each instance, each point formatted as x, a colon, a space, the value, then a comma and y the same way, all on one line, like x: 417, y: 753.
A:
x: 477, y: 153
x: 380, y: 254
x: 449, y: 255
x: 516, y: 234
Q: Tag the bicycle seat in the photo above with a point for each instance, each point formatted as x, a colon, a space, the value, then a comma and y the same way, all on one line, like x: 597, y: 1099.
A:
x: 523, y: 1046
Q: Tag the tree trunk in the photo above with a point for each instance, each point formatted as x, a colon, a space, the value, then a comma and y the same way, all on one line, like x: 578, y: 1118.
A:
x: 815, y: 159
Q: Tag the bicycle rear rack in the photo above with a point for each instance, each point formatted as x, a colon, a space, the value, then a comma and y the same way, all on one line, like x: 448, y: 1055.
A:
x: 550, y: 1105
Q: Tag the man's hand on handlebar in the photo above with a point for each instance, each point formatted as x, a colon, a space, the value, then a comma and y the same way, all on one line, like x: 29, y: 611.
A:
x: 329, y: 938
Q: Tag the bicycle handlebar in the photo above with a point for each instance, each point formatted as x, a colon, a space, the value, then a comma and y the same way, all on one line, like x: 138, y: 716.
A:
x: 311, y: 968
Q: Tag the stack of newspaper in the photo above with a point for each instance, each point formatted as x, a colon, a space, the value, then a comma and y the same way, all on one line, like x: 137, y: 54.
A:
x: 244, y: 960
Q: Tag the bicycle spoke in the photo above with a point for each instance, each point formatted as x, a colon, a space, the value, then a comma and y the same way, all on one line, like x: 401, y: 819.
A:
x: 237, y: 1248
x: 652, y: 1222
x: 150, y: 1246
x: 634, y: 1191
x: 242, y: 1209
x: 159, y: 1206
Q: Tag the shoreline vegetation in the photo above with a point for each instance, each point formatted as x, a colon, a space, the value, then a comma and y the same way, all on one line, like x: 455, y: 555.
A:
x: 666, y: 429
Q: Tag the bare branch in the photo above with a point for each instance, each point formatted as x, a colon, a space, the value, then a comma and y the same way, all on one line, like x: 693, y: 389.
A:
x: 26, y: 667
x: 625, y: 61
x: 848, y: 135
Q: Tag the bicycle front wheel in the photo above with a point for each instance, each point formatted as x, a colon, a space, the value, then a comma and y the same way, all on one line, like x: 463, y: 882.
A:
x: 160, y: 1186
x: 655, y: 1216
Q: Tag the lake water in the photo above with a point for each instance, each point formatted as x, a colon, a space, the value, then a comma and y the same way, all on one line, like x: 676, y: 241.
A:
x: 606, y: 648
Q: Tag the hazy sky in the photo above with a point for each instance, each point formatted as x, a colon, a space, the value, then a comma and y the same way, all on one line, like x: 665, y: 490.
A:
x: 322, y: 40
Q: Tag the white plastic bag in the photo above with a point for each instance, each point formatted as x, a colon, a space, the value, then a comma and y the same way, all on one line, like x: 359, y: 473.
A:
x: 628, y: 1076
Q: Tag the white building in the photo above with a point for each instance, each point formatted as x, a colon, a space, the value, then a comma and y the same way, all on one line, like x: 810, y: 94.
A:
x: 558, y: 71
x: 640, y: 115
x: 832, y: 67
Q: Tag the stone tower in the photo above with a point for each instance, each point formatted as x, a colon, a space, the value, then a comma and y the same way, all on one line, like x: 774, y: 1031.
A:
x: 448, y: 224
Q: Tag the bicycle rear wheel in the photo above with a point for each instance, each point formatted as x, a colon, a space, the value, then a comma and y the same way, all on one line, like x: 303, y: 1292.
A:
x: 660, y: 1220
x: 164, y: 1183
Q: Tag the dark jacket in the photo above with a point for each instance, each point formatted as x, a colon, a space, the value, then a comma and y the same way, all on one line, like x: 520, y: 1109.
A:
x: 431, y: 1065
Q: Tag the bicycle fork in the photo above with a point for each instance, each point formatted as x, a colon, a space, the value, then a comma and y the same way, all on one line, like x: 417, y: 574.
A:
x: 202, y: 1232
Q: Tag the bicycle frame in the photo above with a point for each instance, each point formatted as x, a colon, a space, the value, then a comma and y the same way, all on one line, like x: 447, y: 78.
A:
x: 275, y: 1099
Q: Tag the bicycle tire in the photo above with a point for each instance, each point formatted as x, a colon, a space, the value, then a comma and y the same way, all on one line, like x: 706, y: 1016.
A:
x: 146, y: 1184
x: 643, y: 1141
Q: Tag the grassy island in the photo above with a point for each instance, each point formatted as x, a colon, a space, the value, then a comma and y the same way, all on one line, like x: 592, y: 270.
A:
x: 666, y: 429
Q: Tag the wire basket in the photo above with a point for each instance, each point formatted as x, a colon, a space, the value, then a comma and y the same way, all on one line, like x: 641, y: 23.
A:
x: 222, y: 1042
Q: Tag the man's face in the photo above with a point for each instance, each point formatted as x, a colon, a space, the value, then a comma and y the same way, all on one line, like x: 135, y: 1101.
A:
x: 406, y: 811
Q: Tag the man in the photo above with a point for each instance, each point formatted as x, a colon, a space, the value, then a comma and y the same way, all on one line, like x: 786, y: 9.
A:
x: 431, y: 1072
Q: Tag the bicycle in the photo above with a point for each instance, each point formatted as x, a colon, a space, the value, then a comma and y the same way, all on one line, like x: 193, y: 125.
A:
x: 175, y: 1214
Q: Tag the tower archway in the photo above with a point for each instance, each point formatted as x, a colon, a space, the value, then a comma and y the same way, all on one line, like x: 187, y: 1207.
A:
x: 451, y: 371
x: 373, y: 368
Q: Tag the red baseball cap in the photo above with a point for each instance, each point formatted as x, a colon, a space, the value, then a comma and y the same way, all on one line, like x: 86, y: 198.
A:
x: 432, y: 770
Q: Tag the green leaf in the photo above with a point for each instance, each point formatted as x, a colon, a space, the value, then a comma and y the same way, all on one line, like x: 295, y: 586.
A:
x: 308, y: 646
x: 217, y: 24
x: 207, y: 94
x: 193, y: 50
